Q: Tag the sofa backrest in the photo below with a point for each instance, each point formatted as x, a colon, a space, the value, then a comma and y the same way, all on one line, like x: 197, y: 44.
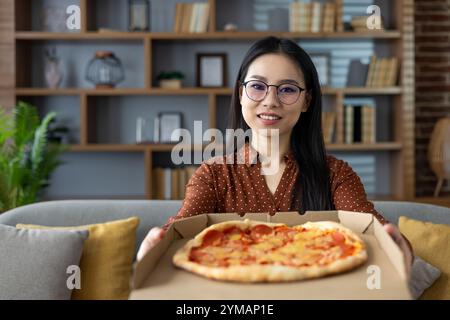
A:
x: 156, y: 212
x: 83, y: 212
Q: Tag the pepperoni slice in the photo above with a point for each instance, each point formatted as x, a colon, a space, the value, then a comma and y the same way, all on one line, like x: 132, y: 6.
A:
x: 260, y: 230
x: 338, y: 237
x: 347, y: 250
x: 213, y: 238
x: 196, y: 255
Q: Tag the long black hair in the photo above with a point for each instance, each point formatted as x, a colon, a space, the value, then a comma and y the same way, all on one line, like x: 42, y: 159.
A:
x: 312, y: 186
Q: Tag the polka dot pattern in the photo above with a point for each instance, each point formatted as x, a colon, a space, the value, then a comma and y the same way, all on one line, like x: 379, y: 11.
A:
x: 218, y: 186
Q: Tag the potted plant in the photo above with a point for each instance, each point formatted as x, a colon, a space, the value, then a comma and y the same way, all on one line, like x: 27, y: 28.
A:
x: 27, y: 158
x: 170, y: 79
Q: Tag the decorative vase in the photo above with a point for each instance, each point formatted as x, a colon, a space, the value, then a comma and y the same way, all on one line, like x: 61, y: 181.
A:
x: 53, y: 73
x: 105, y: 70
x: 170, y: 83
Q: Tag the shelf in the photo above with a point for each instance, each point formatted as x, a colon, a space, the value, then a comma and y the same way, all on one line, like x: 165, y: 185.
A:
x: 161, y: 147
x: 384, y: 146
x: 37, y: 35
x: 121, y: 91
x: 187, y: 91
x: 245, y: 35
x: 252, y: 35
x: 363, y: 90
x: 381, y: 146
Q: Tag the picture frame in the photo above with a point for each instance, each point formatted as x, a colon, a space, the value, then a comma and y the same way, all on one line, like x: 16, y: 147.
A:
x: 211, y: 70
x: 165, y: 124
x: 322, y: 62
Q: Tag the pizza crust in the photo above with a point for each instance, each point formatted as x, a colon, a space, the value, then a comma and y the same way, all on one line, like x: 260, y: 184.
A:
x: 269, y: 273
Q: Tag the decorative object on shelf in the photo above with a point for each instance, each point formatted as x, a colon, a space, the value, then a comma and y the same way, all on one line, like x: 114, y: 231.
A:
x: 230, y: 27
x: 322, y: 63
x: 53, y: 73
x: 211, y: 69
x: 357, y: 73
x: 169, y: 122
x: 143, y: 130
x: 439, y: 152
x: 105, y: 70
x: 54, y: 19
x: 138, y: 15
x: 359, y: 24
x: 27, y: 158
x: 170, y: 79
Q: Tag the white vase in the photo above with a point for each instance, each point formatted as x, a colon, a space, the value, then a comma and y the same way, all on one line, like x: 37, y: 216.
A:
x: 53, y: 74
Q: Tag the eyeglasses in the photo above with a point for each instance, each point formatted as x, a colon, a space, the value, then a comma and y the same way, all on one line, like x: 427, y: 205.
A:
x: 257, y: 90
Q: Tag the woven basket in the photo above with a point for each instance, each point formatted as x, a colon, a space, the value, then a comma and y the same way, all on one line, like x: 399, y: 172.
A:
x: 439, y: 152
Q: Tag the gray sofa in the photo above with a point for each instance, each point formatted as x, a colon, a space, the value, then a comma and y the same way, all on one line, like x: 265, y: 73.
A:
x: 156, y: 212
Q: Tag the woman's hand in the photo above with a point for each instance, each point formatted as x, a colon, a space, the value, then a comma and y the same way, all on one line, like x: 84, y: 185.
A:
x: 403, y: 244
x: 152, y: 238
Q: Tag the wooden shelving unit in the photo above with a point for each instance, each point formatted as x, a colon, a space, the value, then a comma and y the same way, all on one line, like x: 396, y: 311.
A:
x: 401, y: 40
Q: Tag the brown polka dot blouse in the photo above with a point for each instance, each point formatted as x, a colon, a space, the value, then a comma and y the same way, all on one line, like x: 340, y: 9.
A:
x: 240, y: 187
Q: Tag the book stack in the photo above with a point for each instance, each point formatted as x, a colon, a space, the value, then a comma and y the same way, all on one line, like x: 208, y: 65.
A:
x: 383, y: 72
x: 191, y: 17
x: 359, y: 24
x: 359, y: 124
x: 329, y: 16
x: 339, y: 15
x: 312, y: 17
x: 299, y: 17
x: 328, y: 125
x: 170, y: 183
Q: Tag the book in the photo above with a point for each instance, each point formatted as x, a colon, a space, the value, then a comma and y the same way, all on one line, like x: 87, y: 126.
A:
x: 187, y: 12
x: 328, y: 125
x: 339, y: 15
x: 371, y: 72
x: 178, y: 17
x: 174, y: 192
x: 328, y: 17
x: 159, y: 183
x: 357, y: 124
x: 167, y: 177
x: 182, y: 182
x: 348, y: 124
x: 204, y: 18
x: 316, y: 16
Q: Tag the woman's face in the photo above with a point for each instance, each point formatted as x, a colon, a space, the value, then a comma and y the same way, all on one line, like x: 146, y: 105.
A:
x: 271, y: 113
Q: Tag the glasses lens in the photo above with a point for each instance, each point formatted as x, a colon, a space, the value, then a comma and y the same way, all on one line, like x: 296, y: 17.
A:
x: 288, y: 93
x: 256, y: 90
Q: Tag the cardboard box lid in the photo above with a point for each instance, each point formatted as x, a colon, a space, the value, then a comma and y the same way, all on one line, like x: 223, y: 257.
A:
x: 155, y: 277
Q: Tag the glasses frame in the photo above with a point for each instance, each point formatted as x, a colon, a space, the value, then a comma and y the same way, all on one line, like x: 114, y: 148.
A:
x: 244, y: 84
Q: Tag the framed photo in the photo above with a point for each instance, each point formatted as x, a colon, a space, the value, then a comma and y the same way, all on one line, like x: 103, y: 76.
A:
x: 211, y: 69
x: 322, y: 63
x: 166, y: 123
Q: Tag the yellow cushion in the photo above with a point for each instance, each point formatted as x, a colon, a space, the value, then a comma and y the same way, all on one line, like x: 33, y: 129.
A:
x: 106, y: 262
x: 432, y: 243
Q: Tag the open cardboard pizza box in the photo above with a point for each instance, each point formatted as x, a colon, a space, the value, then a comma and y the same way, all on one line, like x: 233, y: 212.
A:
x: 383, y: 276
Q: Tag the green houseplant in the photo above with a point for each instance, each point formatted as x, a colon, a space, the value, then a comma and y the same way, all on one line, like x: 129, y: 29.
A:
x: 27, y: 158
x: 170, y: 79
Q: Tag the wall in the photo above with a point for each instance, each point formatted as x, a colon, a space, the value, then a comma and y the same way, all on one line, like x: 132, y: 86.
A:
x: 432, y: 26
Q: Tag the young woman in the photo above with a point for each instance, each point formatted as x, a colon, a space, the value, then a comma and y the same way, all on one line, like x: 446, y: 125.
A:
x: 277, y: 91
